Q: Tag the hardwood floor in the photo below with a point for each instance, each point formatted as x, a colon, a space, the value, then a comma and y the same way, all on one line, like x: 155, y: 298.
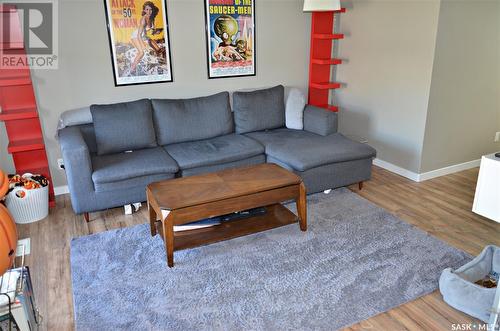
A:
x: 440, y: 206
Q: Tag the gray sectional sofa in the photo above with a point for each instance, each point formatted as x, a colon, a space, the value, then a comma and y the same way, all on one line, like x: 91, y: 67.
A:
x: 128, y: 145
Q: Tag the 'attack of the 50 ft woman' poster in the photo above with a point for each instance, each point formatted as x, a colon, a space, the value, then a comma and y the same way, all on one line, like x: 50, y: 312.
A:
x: 139, y: 40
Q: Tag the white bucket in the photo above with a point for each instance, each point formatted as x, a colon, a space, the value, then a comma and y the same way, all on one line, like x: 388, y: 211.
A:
x: 32, y: 207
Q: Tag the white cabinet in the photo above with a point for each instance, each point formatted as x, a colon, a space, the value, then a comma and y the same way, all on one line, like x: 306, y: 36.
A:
x: 487, y: 198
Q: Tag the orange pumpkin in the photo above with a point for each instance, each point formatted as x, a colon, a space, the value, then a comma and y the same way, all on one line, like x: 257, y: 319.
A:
x: 4, y: 184
x: 8, y: 231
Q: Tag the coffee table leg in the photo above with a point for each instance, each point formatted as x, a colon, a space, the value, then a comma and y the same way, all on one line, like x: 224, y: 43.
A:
x: 152, y: 220
x: 302, y: 207
x: 168, y: 238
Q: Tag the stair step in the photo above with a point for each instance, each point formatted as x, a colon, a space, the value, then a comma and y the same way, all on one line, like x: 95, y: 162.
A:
x: 5, y: 82
x: 18, y: 114
x: 14, y: 73
x: 25, y: 145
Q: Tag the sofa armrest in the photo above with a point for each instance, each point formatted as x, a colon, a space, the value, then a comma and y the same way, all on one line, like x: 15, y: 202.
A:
x: 77, y: 164
x: 320, y: 121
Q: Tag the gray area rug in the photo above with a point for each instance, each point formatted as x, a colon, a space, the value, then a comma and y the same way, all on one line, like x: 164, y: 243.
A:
x: 355, y: 261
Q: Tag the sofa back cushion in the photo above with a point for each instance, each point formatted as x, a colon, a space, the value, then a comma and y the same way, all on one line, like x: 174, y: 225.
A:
x: 123, y: 126
x: 180, y: 120
x: 259, y: 110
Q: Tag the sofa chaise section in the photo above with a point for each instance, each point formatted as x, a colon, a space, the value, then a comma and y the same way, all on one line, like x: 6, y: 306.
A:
x: 323, y: 162
x: 323, y: 157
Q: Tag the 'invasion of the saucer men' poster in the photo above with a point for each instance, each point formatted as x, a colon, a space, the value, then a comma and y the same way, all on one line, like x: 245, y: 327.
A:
x: 230, y: 28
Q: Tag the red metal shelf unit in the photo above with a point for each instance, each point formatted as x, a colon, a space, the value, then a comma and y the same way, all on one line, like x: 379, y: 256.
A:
x: 19, y: 110
x: 320, y: 62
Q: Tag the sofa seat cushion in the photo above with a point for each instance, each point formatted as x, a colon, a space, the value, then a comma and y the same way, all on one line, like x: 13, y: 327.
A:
x: 304, y: 150
x: 121, y: 187
x: 259, y: 159
x: 123, y: 166
x: 228, y: 148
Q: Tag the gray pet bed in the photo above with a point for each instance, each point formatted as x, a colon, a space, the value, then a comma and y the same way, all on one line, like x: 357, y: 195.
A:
x: 459, y: 291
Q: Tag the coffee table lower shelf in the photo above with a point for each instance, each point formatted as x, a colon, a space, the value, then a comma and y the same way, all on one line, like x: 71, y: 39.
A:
x: 276, y: 215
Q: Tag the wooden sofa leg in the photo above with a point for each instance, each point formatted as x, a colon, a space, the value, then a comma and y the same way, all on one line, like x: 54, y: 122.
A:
x: 86, y: 216
x: 360, y: 185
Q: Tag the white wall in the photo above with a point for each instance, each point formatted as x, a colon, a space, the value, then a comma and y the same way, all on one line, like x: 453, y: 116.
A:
x: 463, y: 106
x: 85, y: 74
x: 389, y: 47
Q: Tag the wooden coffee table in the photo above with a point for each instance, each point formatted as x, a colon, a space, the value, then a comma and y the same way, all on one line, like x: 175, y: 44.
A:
x: 184, y: 200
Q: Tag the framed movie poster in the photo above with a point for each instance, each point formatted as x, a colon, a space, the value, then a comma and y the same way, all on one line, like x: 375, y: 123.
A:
x: 139, y: 41
x: 230, y: 30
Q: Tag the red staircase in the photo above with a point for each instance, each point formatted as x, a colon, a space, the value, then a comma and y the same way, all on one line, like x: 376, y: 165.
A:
x: 19, y: 108
x: 320, y: 62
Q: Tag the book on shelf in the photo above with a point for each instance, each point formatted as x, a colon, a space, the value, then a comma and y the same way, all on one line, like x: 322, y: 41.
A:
x: 206, y: 223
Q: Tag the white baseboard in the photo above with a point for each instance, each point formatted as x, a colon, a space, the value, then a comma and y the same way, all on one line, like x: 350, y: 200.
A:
x: 59, y: 190
x: 396, y: 169
x: 449, y: 170
x: 426, y: 175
